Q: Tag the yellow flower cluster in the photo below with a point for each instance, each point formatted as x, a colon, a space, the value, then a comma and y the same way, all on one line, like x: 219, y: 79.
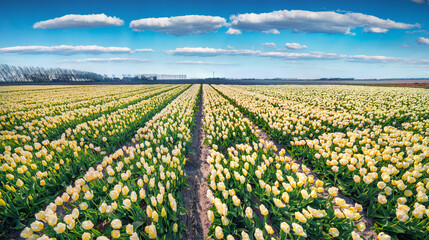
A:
x: 385, y: 164
x: 253, y: 186
x: 22, y: 105
x: 371, y: 142
x: 138, y: 182
x: 32, y: 172
x: 40, y: 128
x: 401, y: 107
x: 223, y: 123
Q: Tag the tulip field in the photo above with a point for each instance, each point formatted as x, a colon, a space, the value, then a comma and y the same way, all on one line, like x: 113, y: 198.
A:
x: 285, y: 161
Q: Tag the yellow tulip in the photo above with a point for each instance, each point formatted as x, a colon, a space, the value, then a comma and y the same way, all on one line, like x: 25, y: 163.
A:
x: 334, y: 232
x: 87, y: 225
x: 116, y: 224
x: 26, y: 233
x: 152, y: 232
x: 263, y: 209
x: 19, y: 183
x: 37, y: 226
x: 116, y: 234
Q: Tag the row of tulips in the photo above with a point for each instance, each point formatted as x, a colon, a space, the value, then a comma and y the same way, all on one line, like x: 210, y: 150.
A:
x: 11, y: 123
x: 408, y: 152
x: 288, y: 120
x: 224, y: 125
x: 135, y: 192
x: 108, y: 131
x: 258, y: 193
x: 23, y: 99
x: 397, y: 107
x: 23, y: 118
x: 23, y: 88
x: 51, y: 127
x: 33, y: 174
x: 385, y: 169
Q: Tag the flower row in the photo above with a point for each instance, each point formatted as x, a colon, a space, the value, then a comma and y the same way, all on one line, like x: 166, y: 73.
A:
x: 383, y: 168
x: 18, y: 118
x: 135, y: 192
x: 32, y: 174
x: 51, y: 127
x: 259, y: 194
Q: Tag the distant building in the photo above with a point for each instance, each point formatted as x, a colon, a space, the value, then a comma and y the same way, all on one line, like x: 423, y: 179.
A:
x: 156, y: 77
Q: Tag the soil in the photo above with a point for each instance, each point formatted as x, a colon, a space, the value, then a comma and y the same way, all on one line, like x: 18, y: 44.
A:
x: 198, y: 170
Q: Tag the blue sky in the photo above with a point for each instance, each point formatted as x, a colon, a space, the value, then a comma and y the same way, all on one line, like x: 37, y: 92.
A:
x: 260, y: 39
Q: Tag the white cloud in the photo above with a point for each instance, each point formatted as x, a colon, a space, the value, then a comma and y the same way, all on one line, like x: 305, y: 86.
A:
x: 106, y: 60
x: 301, y: 56
x: 79, y: 21
x: 272, y: 31
x: 233, y: 31
x: 179, y: 26
x: 417, y: 31
x: 270, y: 45
x: 294, y: 46
x: 143, y: 50
x: 313, y: 22
x: 423, y: 41
x: 376, y: 30
x: 207, y: 52
x: 203, y: 63
x: 68, y: 50
x: 364, y: 58
x: 210, y: 52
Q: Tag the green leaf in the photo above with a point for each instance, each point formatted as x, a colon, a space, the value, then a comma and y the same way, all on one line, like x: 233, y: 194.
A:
x: 137, y: 224
x: 18, y: 225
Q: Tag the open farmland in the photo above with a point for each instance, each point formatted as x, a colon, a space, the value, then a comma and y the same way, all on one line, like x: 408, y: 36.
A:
x: 214, y: 161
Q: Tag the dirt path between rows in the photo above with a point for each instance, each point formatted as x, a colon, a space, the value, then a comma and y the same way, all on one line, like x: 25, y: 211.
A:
x: 197, y: 169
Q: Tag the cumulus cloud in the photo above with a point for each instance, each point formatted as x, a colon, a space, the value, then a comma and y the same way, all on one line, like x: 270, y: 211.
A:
x: 423, y: 41
x: 202, y: 63
x: 179, y: 26
x: 210, y: 52
x: 312, y: 22
x: 79, y: 21
x: 106, y: 60
x: 294, y: 46
x: 68, y: 50
x: 270, y: 45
